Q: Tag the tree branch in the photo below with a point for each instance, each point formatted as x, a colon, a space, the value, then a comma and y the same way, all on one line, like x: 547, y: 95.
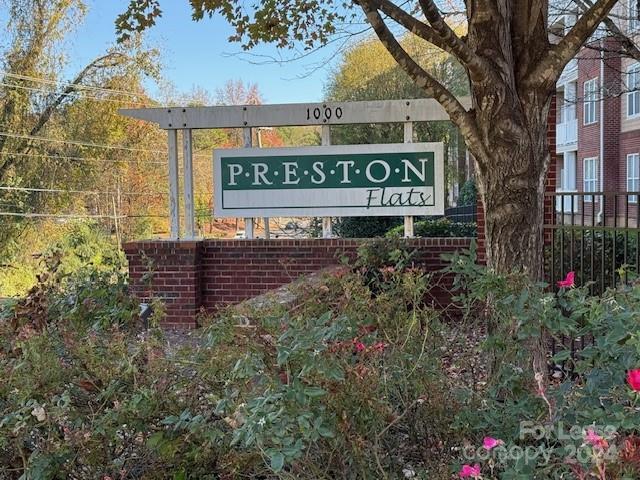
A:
x: 628, y: 45
x: 106, y: 61
x: 432, y: 14
x: 450, y: 43
x: 463, y: 119
x: 548, y: 71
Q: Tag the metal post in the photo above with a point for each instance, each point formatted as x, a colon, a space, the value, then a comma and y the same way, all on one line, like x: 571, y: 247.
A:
x: 174, y: 203
x: 408, y: 221
x: 248, y: 222
x: 326, y: 221
x: 187, y: 155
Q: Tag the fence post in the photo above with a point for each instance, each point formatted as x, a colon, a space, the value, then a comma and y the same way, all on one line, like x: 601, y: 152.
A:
x: 326, y: 221
x: 408, y: 220
x: 174, y: 201
x: 248, y: 222
x: 187, y: 156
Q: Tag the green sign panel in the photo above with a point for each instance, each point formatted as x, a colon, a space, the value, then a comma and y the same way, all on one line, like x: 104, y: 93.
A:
x: 354, y: 180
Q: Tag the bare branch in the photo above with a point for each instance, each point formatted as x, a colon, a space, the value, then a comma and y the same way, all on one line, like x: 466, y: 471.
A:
x: 459, y: 115
x: 630, y: 48
x: 449, y: 42
x: 548, y: 71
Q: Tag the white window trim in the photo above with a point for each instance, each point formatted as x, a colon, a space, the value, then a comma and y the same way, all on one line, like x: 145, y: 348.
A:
x: 589, y: 198
x: 631, y: 6
x: 633, y: 198
x: 633, y: 66
x: 594, y: 101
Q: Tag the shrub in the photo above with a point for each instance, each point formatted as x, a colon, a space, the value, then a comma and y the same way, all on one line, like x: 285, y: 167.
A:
x: 441, y: 227
x: 347, y: 383
x: 582, y: 425
x: 365, y: 227
x: 468, y: 193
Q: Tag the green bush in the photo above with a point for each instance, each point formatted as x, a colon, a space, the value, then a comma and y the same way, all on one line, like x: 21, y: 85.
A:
x: 441, y: 227
x: 545, y: 426
x: 468, y: 194
x: 344, y: 385
x: 365, y: 227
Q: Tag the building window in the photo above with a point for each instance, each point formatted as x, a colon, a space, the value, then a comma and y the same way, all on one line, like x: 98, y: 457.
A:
x: 590, y: 177
x: 633, y: 176
x: 634, y: 21
x: 590, y: 101
x: 633, y: 86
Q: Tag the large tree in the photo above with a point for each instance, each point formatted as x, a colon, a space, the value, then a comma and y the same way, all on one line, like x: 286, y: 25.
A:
x: 512, y: 68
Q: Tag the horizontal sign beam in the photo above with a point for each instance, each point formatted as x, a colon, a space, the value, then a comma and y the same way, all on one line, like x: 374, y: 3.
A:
x: 294, y: 114
x: 333, y: 181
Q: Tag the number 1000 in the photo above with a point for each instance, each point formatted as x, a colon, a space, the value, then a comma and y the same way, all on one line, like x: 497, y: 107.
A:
x: 324, y: 113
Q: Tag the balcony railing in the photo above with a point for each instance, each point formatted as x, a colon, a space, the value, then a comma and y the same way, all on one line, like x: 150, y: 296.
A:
x: 566, y: 203
x: 567, y: 132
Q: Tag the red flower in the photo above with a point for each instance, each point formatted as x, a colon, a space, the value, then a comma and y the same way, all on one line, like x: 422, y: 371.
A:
x: 633, y: 379
x: 568, y: 282
x: 595, y: 440
x: 467, y: 471
x: 360, y: 347
x: 380, y: 346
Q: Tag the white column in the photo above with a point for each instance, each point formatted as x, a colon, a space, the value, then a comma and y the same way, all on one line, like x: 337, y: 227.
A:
x: 408, y: 138
x: 248, y: 142
x: 187, y: 155
x: 174, y: 203
x: 326, y: 221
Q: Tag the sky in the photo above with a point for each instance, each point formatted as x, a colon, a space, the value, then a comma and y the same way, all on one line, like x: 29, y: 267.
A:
x: 198, y: 54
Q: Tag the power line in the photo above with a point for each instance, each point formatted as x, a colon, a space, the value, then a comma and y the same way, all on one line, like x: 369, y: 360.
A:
x: 67, y: 84
x: 87, y: 192
x: 87, y: 144
x: 78, y: 143
x: 74, y: 215
x: 68, y: 94
x: 89, y: 159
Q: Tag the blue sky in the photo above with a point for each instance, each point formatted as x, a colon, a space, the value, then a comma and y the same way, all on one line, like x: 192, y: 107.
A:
x: 198, y: 53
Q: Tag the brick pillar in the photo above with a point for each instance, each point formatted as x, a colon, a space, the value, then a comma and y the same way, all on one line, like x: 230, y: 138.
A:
x: 551, y: 183
x: 170, y: 271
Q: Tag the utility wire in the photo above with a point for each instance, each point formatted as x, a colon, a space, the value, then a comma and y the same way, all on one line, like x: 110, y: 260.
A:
x: 88, y: 144
x: 67, y: 84
x: 89, y: 159
x: 87, y: 192
x: 69, y: 94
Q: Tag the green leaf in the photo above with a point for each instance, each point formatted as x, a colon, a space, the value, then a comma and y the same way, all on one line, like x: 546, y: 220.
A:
x: 277, y: 461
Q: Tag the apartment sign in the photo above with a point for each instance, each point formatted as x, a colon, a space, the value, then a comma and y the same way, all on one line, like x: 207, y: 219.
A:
x: 330, y: 181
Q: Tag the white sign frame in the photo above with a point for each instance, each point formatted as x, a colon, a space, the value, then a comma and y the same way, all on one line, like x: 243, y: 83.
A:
x: 330, y: 211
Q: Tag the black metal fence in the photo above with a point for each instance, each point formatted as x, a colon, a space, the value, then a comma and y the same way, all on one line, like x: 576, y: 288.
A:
x: 595, y: 235
x: 466, y: 214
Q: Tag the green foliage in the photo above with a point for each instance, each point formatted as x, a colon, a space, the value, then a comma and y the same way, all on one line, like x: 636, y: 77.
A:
x: 364, y: 227
x: 82, y: 281
x: 597, y: 256
x: 441, y: 227
x: 549, y: 421
x: 468, y: 193
x: 344, y: 385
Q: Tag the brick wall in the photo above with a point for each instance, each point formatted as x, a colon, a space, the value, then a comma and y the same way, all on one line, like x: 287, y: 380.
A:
x: 189, y: 276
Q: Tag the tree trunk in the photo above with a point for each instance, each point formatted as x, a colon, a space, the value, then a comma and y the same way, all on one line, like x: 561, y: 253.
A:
x: 512, y: 169
x: 512, y: 189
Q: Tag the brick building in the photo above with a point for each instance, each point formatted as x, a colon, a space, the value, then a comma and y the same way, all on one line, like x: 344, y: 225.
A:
x: 598, y: 126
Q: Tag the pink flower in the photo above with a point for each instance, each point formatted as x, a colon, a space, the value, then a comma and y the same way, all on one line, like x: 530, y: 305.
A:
x: 489, y: 442
x: 633, y: 379
x: 568, y: 282
x: 595, y: 440
x: 380, y: 346
x: 360, y: 347
x: 468, y: 471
